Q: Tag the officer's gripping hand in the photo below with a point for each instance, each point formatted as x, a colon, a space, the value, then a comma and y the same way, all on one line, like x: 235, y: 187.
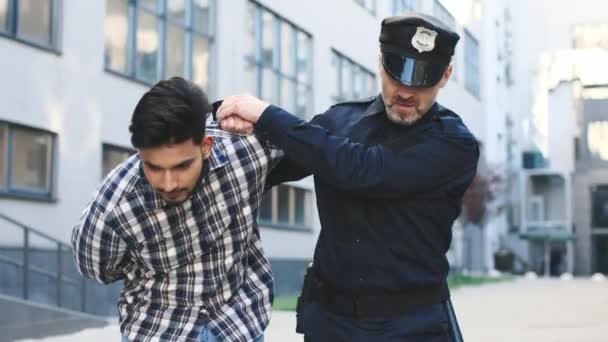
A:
x: 236, y: 124
x: 247, y: 107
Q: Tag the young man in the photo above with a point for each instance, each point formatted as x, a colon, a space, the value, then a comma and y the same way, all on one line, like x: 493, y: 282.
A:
x: 177, y: 222
x: 390, y: 173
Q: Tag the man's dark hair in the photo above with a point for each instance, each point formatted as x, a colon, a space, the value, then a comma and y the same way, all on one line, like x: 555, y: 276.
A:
x: 173, y: 111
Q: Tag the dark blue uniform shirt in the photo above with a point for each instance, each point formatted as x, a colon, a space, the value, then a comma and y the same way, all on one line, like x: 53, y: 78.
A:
x: 387, y: 194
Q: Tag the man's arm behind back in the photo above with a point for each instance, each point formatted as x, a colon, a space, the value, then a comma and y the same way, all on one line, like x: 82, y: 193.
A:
x: 98, y: 250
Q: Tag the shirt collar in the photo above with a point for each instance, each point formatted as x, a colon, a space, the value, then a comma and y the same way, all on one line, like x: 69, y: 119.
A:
x: 217, y: 158
x: 377, y: 106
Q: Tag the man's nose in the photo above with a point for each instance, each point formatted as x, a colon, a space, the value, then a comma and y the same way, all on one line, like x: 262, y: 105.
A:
x: 169, y: 182
x: 406, y: 92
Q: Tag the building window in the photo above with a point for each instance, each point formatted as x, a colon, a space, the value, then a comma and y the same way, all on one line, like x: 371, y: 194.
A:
x: 446, y: 17
x: 441, y: 13
x: 149, y: 40
x: 26, y: 161
x: 402, y: 6
x: 369, y: 5
x: 279, y: 61
x: 577, y: 148
x: 600, y: 254
x: 597, y: 132
x: 593, y: 35
x: 285, y: 207
x: 112, y: 156
x: 3, y: 156
x: 350, y: 80
x: 599, y: 197
x: 471, y: 57
x: 31, y: 21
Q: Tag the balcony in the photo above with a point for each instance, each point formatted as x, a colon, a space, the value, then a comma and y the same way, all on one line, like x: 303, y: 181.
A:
x: 547, y: 220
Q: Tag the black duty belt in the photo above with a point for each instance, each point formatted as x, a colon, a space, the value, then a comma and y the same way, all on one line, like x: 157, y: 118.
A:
x: 376, y: 305
x: 381, y: 305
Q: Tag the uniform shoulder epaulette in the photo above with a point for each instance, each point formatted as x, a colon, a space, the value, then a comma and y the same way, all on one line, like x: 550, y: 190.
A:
x: 450, y: 121
x: 363, y: 101
x: 450, y: 124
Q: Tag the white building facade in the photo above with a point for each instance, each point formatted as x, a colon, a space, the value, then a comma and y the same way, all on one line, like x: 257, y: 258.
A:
x: 557, y: 50
x: 73, y: 71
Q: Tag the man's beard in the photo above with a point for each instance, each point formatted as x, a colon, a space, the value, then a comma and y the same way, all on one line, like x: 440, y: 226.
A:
x: 184, y: 196
x: 189, y: 192
x: 406, y: 120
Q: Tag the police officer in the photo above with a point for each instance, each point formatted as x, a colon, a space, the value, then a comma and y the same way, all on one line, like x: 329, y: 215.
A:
x: 390, y: 174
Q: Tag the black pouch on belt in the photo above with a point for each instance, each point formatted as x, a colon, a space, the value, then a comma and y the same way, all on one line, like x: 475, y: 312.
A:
x: 311, y: 291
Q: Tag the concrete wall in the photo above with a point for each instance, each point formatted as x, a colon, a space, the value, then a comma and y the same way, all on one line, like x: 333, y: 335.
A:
x: 563, y: 125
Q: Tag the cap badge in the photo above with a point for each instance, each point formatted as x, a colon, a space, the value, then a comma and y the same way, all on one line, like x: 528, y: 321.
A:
x: 424, y: 39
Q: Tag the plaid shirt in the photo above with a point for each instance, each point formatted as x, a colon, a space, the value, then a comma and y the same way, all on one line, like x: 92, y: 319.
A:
x: 184, y: 266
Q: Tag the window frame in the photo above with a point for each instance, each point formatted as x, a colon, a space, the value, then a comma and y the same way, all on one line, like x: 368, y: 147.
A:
x: 399, y: 7
x: 446, y: 17
x: 339, y: 95
x: 442, y: 13
x: 291, y: 225
x: 473, y: 89
x: 255, y: 60
x: 115, y: 148
x: 373, y: 10
x: 164, y: 21
x: 11, y: 30
x: 7, y: 190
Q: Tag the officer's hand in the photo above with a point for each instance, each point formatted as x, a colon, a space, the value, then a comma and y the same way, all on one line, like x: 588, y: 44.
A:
x: 235, y: 124
x: 247, y: 107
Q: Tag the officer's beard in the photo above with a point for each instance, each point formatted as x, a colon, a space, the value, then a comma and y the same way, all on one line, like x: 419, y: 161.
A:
x: 408, y: 118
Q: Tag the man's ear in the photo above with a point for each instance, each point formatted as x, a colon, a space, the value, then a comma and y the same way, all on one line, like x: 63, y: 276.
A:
x: 206, y: 144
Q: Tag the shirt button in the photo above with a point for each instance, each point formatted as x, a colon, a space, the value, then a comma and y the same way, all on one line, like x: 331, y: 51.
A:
x: 361, y: 279
x: 357, y: 240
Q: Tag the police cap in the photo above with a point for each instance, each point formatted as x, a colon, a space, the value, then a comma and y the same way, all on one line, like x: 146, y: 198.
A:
x: 416, y: 48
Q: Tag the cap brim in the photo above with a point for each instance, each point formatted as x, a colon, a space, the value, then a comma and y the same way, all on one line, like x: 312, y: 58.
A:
x: 413, y: 72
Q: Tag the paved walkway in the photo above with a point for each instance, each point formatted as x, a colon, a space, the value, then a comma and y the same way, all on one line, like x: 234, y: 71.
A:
x: 519, y: 311
x: 534, y: 311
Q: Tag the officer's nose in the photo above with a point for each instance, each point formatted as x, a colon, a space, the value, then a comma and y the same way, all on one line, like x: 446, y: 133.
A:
x: 406, y: 92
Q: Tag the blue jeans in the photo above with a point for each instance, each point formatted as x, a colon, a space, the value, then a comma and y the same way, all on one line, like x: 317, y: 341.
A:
x: 207, y: 336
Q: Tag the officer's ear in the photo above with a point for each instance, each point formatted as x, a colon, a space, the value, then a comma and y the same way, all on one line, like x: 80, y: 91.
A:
x: 446, y: 76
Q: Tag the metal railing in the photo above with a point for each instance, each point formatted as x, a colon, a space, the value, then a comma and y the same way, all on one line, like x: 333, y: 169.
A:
x: 21, y: 255
x: 547, y: 224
